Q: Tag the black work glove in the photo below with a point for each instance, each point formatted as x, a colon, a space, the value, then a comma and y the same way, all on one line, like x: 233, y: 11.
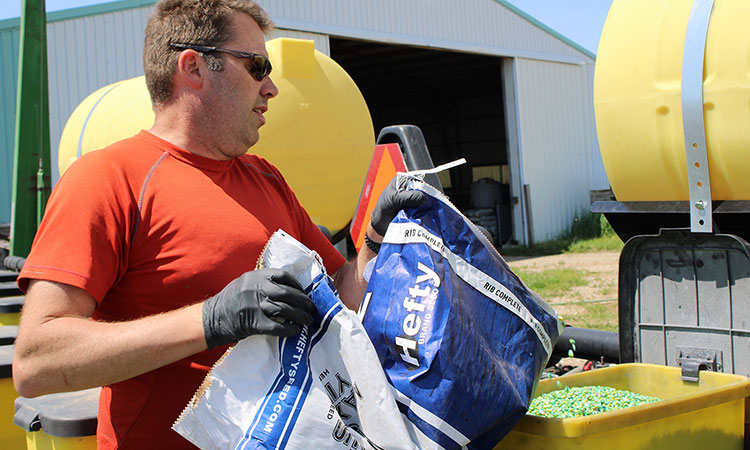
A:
x: 394, y: 198
x: 264, y: 301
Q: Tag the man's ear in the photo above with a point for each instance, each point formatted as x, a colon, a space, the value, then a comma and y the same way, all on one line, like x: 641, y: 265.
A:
x: 191, y: 68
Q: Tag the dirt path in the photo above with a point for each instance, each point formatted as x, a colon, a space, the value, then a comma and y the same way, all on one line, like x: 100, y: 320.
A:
x: 602, y: 268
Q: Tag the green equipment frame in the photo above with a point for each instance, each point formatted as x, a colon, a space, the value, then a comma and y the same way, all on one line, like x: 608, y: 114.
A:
x: 31, y: 165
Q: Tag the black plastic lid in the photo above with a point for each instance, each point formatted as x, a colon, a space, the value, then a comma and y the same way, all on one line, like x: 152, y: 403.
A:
x: 11, y: 304
x: 69, y: 414
x: 6, y: 361
x: 8, y: 334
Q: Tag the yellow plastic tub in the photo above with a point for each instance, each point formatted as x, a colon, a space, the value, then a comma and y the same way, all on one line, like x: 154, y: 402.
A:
x: 10, y: 318
x: 11, y: 437
x: 10, y: 310
x: 36, y: 440
x: 709, y: 413
x: 65, y: 421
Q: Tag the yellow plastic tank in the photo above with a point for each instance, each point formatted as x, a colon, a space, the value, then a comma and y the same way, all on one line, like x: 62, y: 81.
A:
x: 638, y: 106
x: 318, y: 131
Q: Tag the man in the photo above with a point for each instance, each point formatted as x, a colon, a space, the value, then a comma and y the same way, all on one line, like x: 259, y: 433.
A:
x: 141, y: 272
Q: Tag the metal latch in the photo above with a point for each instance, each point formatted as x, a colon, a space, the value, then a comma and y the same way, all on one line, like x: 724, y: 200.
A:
x: 694, y: 359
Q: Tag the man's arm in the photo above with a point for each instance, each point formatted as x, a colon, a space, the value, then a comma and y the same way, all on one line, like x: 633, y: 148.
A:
x: 59, y: 348
x: 349, y: 279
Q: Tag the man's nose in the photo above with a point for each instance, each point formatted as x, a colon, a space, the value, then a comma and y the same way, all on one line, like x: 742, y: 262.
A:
x: 269, y: 89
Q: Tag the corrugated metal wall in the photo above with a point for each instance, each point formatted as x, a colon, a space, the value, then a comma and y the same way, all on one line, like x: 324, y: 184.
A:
x: 558, y: 142
x: 9, y: 42
x: 554, y: 78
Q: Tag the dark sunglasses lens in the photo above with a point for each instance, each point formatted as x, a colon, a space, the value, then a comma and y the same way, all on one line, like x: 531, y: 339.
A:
x: 260, y: 67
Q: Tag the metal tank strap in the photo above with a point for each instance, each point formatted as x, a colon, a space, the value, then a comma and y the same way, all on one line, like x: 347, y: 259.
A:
x: 696, y: 152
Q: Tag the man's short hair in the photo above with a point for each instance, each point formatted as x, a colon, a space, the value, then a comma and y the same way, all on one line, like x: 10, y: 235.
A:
x: 201, y: 22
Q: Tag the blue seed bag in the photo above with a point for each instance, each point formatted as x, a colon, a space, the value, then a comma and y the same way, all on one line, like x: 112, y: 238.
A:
x: 462, y: 340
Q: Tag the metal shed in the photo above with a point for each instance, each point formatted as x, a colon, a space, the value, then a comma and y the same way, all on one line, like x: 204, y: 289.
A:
x: 482, y: 79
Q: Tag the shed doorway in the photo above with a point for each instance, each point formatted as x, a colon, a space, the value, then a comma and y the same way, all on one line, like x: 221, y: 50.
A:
x: 457, y: 100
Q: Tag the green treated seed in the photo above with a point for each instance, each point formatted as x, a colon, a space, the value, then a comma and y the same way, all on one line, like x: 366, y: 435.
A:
x: 571, y: 402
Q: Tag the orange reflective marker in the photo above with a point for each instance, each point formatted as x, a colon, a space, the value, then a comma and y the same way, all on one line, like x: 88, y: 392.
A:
x: 386, y: 161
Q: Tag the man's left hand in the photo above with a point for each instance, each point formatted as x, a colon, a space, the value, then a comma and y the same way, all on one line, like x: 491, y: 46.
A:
x: 393, y: 199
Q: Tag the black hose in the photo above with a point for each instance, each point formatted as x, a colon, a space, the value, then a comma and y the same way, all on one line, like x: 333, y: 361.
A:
x: 589, y: 344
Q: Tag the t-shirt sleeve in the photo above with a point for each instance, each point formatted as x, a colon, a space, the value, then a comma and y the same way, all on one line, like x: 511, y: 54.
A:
x: 82, y: 240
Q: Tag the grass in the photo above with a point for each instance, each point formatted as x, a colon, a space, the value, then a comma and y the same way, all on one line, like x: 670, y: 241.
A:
x: 588, y: 233
x: 596, y: 315
x: 598, y: 244
x: 553, y: 282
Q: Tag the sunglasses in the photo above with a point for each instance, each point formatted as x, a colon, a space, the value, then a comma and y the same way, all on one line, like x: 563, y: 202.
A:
x: 258, y: 65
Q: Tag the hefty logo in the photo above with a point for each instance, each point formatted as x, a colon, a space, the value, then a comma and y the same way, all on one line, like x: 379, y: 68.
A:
x: 417, y: 318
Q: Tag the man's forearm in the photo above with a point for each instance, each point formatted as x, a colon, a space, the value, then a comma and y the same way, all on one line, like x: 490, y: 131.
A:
x: 350, y: 280
x: 68, y: 353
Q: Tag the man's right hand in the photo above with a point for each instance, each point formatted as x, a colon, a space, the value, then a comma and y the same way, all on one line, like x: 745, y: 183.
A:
x: 264, y: 301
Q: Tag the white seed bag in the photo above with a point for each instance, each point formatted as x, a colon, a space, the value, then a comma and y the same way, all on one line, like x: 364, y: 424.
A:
x: 321, y: 389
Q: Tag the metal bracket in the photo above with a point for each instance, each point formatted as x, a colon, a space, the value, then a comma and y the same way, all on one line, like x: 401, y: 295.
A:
x: 694, y: 130
x: 694, y: 359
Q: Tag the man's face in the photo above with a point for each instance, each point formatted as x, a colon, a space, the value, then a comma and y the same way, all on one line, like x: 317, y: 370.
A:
x: 236, y: 102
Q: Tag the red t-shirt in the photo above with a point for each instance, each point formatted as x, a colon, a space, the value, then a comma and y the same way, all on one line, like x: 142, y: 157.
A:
x: 147, y: 227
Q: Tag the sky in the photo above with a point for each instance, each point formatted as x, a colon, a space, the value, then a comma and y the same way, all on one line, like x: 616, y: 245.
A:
x: 581, y: 21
